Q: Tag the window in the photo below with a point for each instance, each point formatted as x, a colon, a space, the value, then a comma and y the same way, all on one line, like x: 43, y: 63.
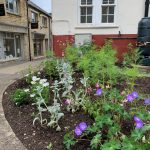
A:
x: 12, y: 6
x: 108, y: 11
x: 34, y: 17
x: 44, y: 21
x: 12, y: 45
x: 86, y: 11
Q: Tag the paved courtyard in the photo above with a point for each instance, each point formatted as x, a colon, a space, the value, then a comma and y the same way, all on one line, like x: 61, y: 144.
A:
x: 9, y: 74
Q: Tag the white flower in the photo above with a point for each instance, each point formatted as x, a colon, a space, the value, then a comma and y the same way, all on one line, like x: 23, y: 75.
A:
x: 32, y: 95
x: 46, y: 84
x: 26, y: 90
x: 34, y: 78
x: 26, y: 75
x: 32, y: 82
x: 42, y: 81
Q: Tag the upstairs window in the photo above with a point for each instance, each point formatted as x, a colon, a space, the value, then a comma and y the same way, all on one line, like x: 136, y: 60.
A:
x: 86, y: 11
x: 12, y: 6
x: 34, y: 17
x: 108, y: 11
x: 44, y: 21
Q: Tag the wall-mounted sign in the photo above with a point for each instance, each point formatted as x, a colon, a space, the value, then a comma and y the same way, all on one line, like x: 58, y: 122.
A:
x: 34, y: 25
x: 2, y: 10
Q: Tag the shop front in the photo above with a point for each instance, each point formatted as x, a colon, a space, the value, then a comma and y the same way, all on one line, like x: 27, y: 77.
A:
x: 38, y: 44
x: 10, y: 46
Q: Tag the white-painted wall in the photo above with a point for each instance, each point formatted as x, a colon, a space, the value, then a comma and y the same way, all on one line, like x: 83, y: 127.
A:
x: 65, y: 15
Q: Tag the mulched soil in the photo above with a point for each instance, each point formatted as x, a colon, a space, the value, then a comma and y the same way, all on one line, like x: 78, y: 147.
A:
x: 37, y: 137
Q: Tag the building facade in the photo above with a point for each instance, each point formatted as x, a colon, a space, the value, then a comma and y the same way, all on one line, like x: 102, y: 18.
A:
x: 25, y: 30
x: 13, y: 31
x: 40, y: 30
x: 95, y: 21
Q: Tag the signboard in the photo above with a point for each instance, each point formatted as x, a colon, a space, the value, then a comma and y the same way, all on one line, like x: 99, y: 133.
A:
x: 34, y: 25
x: 2, y: 10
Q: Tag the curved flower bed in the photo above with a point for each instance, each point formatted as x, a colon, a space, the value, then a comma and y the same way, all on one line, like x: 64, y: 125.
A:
x: 62, y: 107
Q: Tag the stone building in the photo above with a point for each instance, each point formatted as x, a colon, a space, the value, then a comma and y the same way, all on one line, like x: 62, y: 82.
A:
x: 13, y: 31
x: 40, y: 30
x: 25, y: 32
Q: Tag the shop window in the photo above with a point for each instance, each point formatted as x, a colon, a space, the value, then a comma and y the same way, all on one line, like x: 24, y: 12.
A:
x: 12, y: 45
x: 12, y: 6
x: 38, y: 47
x: 46, y: 44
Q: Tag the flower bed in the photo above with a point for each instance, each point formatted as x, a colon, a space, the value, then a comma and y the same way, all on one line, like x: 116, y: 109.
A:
x: 91, y: 104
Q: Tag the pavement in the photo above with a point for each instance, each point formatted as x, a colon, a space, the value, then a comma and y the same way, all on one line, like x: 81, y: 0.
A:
x: 9, y: 74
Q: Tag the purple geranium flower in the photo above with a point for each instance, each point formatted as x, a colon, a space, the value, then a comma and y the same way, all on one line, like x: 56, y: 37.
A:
x: 83, y: 126
x: 135, y: 94
x: 68, y: 101
x: 98, y: 92
x: 80, y: 128
x: 147, y: 101
x: 130, y: 97
x: 138, y: 122
x: 77, y: 131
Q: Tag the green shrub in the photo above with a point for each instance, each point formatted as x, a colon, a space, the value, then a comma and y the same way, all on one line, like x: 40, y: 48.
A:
x: 50, y: 67
x: 74, y: 54
x: 133, y: 56
x: 99, y: 65
x: 20, y: 97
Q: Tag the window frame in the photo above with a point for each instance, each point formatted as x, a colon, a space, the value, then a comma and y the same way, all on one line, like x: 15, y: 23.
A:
x: 44, y: 21
x: 36, y: 17
x: 15, y: 9
x: 109, y: 5
x: 86, y: 15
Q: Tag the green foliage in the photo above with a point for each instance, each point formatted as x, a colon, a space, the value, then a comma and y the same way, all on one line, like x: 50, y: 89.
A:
x: 133, y: 56
x: 96, y: 141
x: 74, y: 54
x: 50, y: 67
x: 20, y: 97
x: 99, y: 65
x: 112, y: 145
x: 69, y: 141
x: 50, y: 146
x: 130, y: 75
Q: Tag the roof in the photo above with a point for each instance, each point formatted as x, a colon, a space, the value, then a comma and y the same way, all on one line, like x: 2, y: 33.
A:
x: 38, y: 8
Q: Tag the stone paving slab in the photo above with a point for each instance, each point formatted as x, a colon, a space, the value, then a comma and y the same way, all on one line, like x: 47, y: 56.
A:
x: 9, y: 74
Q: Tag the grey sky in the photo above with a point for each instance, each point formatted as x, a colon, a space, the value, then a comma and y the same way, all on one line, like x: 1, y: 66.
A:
x: 44, y: 4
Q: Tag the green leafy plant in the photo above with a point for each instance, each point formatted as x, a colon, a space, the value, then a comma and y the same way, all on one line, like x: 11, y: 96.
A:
x: 55, y: 112
x: 20, y: 96
x: 133, y: 56
x: 69, y: 140
x: 99, y: 65
x: 50, y: 146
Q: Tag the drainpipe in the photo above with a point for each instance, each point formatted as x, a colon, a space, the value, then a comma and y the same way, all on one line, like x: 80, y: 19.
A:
x: 147, y: 2
x: 28, y: 30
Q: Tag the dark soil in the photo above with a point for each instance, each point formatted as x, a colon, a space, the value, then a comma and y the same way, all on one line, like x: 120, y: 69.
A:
x: 37, y: 137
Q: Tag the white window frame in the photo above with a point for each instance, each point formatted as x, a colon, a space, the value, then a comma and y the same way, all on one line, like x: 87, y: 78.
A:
x: 114, y: 5
x: 15, y: 4
x: 97, y: 16
x: 85, y: 5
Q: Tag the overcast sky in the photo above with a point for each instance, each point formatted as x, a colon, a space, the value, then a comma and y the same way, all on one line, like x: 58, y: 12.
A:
x: 44, y: 4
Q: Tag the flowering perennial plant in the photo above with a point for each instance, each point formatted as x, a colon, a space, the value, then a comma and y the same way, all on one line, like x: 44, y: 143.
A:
x: 80, y: 128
